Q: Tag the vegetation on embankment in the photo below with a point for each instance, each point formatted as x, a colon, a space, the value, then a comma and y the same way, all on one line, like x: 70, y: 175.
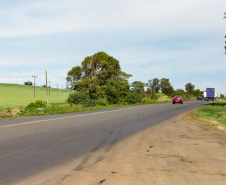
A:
x: 213, y: 113
x: 39, y: 108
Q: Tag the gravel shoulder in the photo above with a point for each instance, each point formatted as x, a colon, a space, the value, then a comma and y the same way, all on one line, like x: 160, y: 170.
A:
x: 178, y: 151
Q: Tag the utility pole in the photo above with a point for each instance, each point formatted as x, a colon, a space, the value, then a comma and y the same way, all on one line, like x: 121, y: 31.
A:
x: 225, y: 45
x: 225, y: 35
x: 57, y: 89
x: 34, y: 84
x: 62, y: 88
x: 49, y: 88
x: 47, y: 101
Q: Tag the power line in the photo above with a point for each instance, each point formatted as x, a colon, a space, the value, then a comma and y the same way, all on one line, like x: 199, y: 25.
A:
x: 21, y: 76
x: 56, y: 75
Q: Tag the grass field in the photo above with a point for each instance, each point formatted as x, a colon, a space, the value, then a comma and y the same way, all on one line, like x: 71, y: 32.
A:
x: 214, y: 113
x: 14, y: 99
x: 22, y: 95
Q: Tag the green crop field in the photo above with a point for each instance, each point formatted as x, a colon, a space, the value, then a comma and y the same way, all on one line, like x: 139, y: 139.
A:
x: 22, y: 95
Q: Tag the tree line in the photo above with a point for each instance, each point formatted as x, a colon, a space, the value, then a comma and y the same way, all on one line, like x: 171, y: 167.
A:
x: 99, y: 79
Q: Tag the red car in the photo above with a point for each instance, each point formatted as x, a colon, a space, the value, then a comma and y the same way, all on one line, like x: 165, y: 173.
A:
x: 177, y: 99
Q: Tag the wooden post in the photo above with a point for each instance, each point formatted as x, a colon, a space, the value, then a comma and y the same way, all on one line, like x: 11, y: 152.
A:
x: 34, y: 84
x: 47, y: 101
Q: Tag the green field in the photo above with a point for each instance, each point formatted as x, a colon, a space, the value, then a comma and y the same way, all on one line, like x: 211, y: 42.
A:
x: 22, y: 95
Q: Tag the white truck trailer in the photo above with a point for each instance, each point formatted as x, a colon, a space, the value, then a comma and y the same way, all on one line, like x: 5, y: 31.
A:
x: 217, y: 96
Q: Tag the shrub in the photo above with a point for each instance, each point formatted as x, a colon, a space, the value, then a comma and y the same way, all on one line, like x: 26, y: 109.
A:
x: 101, y: 92
x: 145, y: 100
x: 37, y: 104
x: 159, y: 95
x: 102, y: 102
x: 40, y: 104
x: 78, y: 97
x: 151, y: 101
x: 189, y: 97
x: 89, y: 103
x: 31, y: 105
x: 133, y: 98
x: 113, y: 95
x: 28, y: 83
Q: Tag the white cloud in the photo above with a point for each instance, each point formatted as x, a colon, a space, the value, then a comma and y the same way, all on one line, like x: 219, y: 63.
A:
x: 157, y: 19
x: 160, y: 17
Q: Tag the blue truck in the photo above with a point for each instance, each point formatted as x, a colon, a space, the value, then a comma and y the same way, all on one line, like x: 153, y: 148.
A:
x: 209, y: 94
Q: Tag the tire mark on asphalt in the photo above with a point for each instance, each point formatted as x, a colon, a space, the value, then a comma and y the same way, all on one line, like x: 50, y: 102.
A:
x: 108, y: 149
x: 100, y: 158
x: 102, y: 142
x: 83, y: 163
x: 94, y: 150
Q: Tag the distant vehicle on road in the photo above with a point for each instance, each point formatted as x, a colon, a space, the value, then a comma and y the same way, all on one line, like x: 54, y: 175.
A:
x: 177, y: 99
x: 199, y: 98
x: 217, y: 96
x: 209, y: 94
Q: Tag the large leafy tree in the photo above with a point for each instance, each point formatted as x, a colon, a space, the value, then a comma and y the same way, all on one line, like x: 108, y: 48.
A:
x: 138, y: 86
x: 154, y: 86
x: 99, y: 75
x: 189, y: 88
x: 166, y: 86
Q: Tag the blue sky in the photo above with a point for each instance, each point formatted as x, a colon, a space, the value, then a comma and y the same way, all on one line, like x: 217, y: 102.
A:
x: 179, y: 40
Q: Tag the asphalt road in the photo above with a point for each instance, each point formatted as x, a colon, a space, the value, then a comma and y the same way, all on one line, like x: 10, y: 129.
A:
x: 31, y: 145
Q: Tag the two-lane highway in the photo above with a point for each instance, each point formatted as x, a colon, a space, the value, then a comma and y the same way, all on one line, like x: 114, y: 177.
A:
x: 31, y: 145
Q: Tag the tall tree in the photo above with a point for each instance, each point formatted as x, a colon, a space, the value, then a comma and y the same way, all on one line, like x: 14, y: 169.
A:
x: 138, y: 86
x: 154, y: 86
x: 96, y: 73
x: 189, y: 88
x: 166, y: 87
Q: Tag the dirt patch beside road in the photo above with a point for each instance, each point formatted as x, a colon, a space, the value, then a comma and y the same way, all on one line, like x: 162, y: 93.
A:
x: 178, y: 151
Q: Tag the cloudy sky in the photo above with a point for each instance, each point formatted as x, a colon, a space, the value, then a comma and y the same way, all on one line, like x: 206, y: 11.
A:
x: 180, y: 40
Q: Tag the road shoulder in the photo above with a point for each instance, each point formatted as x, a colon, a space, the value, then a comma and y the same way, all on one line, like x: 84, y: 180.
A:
x: 178, y: 151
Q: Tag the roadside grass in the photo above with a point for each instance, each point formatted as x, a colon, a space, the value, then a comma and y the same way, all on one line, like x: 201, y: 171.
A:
x: 56, y: 108
x: 161, y: 100
x: 63, y: 109
x: 20, y: 110
x: 213, y: 113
